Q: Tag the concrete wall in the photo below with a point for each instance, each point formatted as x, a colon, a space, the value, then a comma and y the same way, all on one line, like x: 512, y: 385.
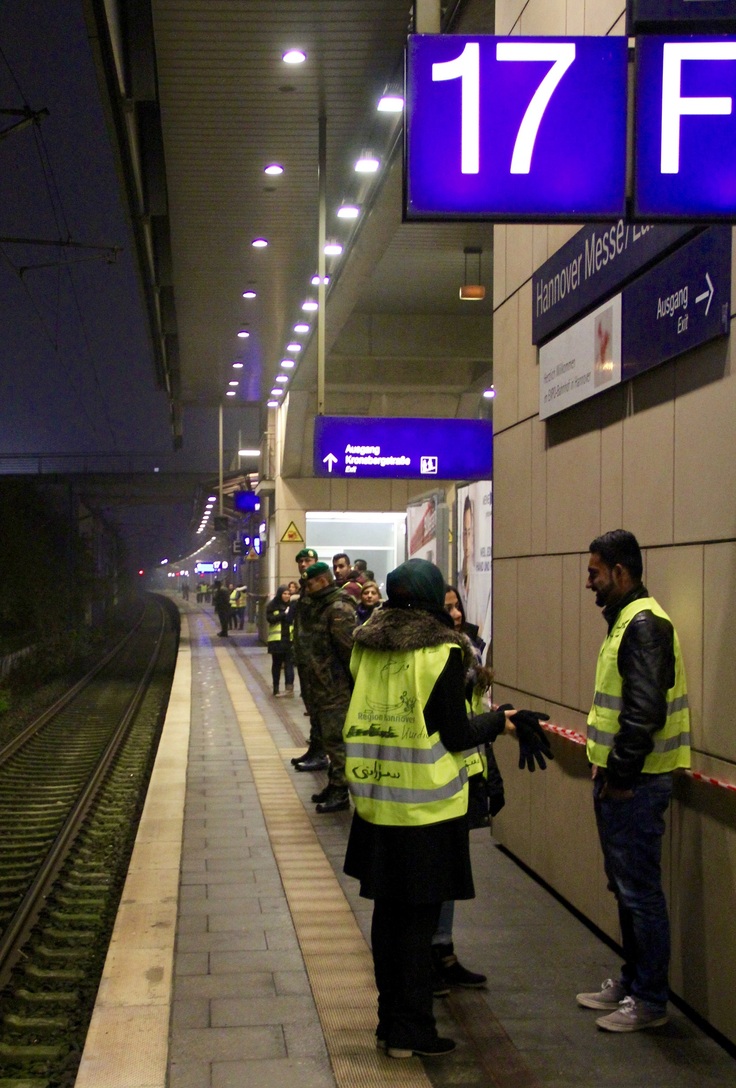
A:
x: 656, y: 456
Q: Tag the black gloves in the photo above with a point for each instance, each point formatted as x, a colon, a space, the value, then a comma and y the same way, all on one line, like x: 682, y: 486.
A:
x: 533, y: 741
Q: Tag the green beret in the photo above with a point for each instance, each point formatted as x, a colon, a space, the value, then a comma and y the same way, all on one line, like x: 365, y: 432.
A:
x: 307, y: 553
x: 316, y: 569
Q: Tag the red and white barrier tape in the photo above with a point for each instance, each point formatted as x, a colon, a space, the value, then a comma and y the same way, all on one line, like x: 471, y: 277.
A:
x: 578, y: 738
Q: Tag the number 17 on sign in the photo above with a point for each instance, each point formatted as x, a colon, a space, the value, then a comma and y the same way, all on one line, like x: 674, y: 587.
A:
x: 514, y: 128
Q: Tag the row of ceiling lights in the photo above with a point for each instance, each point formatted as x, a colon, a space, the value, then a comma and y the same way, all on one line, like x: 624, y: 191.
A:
x: 211, y: 500
x: 366, y: 164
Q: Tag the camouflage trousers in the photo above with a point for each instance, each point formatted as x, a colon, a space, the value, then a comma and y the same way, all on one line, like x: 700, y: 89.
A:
x: 329, y: 724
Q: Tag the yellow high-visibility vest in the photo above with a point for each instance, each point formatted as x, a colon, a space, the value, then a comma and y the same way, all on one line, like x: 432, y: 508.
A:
x: 399, y: 774
x: 672, y: 742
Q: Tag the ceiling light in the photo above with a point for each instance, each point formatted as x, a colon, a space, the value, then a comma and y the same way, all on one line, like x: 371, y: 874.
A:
x: 259, y: 243
x: 294, y: 56
x: 287, y: 364
x: 310, y: 304
x: 277, y: 392
x: 315, y: 282
x: 272, y: 404
x: 293, y: 347
x: 238, y: 366
x: 367, y: 164
x: 472, y: 292
x: 233, y: 383
x: 249, y: 453
x: 333, y: 249
x: 274, y: 169
x: 230, y: 393
x: 348, y: 211
x: 281, y: 378
x: 301, y: 326
x: 212, y: 498
x: 489, y: 394
x: 243, y: 334
x: 249, y: 294
x: 390, y: 103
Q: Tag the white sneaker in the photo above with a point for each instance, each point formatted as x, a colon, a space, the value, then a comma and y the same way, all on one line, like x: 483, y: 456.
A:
x: 610, y: 996
x: 632, y: 1015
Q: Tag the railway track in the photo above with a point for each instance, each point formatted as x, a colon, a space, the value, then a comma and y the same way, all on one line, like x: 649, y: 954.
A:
x: 71, y: 790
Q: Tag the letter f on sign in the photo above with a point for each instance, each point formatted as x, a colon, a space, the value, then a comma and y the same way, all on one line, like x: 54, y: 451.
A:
x: 674, y: 106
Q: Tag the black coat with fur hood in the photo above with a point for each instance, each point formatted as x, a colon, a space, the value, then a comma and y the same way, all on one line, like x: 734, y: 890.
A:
x: 430, y: 863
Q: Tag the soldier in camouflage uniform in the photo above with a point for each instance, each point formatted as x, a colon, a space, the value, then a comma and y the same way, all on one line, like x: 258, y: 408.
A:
x: 314, y: 759
x: 332, y: 620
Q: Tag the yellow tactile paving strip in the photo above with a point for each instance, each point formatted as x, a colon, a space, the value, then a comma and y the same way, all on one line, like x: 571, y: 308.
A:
x: 338, y: 961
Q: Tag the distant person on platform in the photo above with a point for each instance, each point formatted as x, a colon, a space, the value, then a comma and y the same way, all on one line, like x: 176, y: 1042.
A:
x: 314, y: 759
x: 280, y: 618
x: 345, y: 577
x: 221, y: 601
x: 370, y: 600
x: 331, y: 624
x: 638, y: 734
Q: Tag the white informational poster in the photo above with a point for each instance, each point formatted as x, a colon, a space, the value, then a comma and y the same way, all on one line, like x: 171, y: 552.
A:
x: 474, y: 536
x: 582, y: 361
x: 421, y: 530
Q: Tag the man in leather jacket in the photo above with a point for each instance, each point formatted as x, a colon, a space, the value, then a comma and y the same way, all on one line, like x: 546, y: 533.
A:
x: 638, y: 733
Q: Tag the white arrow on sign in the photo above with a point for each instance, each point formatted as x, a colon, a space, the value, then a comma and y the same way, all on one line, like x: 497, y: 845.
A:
x: 706, y: 294
x: 329, y: 460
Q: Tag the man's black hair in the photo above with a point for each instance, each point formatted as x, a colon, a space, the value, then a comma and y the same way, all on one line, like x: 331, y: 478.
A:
x: 619, y: 546
x: 360, y: 564
x: 341, y: 555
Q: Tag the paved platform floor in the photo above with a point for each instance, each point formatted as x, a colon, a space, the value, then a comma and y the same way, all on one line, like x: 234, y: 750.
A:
x: 271, y: 982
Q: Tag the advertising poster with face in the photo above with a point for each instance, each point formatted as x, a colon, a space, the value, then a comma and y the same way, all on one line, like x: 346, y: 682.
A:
x: 421, y: 530
x: 474, y: 536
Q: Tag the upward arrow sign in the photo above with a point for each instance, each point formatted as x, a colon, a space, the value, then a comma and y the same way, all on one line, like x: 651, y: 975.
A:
x: 329, y: 460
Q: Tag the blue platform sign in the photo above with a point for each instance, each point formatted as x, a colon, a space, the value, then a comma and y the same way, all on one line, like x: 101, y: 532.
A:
x: 682, y: 15
x: 681, y: 303
x: 685, y: 129
x: 592, y: 266
x: 395, y: 448
x: 515, y: 128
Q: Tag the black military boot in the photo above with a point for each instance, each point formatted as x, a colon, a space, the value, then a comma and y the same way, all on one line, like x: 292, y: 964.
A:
x: 337, y: 800
x: 312, y: 763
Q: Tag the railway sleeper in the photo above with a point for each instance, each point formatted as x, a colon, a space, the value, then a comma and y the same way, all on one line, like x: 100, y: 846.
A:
x: 46, y: 998
x: 75, y: 917
x: 75, y: 954
x: 20, y: 1052
x: 14, y: 1022
x: 50, y: 975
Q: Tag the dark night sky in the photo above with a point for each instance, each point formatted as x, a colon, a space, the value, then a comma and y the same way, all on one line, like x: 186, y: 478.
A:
x: 77, y: 373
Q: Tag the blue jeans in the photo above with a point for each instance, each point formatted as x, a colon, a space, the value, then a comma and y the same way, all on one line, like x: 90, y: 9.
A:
x: 631, y: 837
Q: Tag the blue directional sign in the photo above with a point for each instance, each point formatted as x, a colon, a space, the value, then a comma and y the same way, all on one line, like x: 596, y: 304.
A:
x: 515, y: 128
x: 679, y: 304
x: 360, y: 447
x: 682, y: 15
x: 685, y: 129
x: 594, y: 264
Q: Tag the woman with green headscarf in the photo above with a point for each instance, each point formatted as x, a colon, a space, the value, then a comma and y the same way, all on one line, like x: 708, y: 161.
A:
x: 405, y: 732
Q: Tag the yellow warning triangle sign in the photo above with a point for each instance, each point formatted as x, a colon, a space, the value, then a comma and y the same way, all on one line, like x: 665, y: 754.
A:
x: 292, y: 535
x: 252, y: 554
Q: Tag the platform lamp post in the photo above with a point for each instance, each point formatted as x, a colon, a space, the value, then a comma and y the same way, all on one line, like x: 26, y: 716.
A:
x: 322, y: 238
x: 220, y: 453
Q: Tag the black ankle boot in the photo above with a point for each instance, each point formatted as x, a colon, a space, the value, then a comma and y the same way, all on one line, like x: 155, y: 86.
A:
x: 451, y: 971
x: 337, y: 800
